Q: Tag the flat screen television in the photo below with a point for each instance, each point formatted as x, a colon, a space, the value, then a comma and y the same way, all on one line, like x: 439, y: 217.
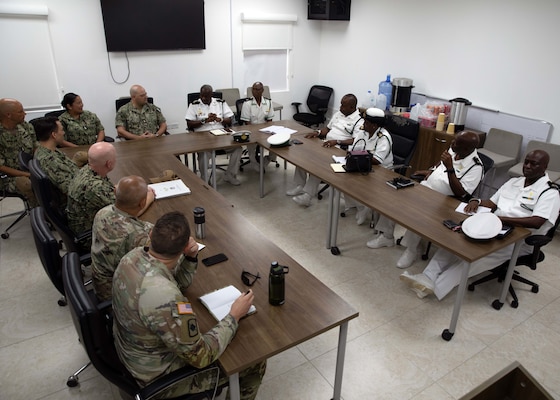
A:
x: 139, y: 25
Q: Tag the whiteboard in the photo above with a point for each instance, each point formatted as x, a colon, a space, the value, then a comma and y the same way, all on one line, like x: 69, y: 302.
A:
x: 28, y: 72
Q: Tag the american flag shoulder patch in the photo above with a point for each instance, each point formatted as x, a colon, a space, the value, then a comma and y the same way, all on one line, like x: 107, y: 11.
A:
x: 184, y: 308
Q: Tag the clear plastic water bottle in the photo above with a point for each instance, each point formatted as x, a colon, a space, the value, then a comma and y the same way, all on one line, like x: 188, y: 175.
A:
x: 366, y: 102
x: 386, y: 89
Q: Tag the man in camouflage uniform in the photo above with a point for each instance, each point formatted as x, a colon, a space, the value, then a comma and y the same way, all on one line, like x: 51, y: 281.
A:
x: 155, y: 329
x: 116, y: 231
x: 139, y: 119
x: 15, y: 135
x: 60, y: 169
x: 91, y: 190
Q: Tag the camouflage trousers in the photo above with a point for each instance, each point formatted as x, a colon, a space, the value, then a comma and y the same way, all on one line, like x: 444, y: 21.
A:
x: 21, y: 185
x: 249, y: 381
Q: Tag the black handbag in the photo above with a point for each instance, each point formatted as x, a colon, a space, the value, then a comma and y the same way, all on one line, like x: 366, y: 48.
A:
x: 358, y: 160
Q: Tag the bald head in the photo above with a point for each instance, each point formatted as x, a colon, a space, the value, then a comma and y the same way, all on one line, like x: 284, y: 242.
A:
x: 11, y: 113
x: 465, y: 143
x: 130, y: 194
x: 102, y: 158
x: 138, y: 95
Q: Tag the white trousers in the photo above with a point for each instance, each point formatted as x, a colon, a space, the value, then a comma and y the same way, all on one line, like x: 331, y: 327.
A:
x: 445, y: 268
x: 309, y: 182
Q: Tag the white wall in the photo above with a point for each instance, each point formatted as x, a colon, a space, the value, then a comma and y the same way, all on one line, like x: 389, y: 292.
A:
x: 499, y: 54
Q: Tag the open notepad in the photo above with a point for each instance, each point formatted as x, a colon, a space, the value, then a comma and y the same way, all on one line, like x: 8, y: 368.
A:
x: 277, y: 129
x: 169, y: 189
x: 219, y: 302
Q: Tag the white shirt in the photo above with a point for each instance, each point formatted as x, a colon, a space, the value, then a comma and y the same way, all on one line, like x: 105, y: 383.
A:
x: 198, y: 111
x: 257, y: 114
x: 469, y: 177
x: 380, y: 144
x: 515, y: 200
x: 343, y: 127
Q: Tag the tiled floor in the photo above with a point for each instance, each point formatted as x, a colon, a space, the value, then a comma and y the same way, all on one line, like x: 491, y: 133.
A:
x: 394, y: 349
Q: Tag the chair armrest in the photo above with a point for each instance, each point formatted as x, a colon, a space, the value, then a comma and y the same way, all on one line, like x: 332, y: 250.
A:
x: 296, y: 105
x: 170, y: 379
x: 82, y: 236
x: 537, y: 240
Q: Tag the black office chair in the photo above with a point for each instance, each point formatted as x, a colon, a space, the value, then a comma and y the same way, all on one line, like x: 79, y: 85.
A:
x: 51, y: 200
x: 58, y: 113
x: 318, y: 105
x: 196, y: 95
x: 93, y: 322
x: 48, y: 250
x: 404, y: 133
x: 528, y: 260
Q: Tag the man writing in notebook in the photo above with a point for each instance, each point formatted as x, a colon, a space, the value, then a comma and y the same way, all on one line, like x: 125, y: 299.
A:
x: 155, y: 328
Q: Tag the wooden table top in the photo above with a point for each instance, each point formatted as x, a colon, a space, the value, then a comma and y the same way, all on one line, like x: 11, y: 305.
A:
x: 311, y: 307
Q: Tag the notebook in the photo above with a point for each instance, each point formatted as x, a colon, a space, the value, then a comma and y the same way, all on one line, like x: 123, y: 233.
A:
x: 219, y: 302
x: 169, y: 189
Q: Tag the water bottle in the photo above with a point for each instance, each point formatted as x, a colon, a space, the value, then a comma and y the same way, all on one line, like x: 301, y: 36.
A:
x: 367, y: 100
x: 199, y: 222
x: 386, y: 88
x: 276, y: 284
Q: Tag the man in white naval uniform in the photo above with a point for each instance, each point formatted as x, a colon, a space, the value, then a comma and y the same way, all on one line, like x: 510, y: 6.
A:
x: 531, y: 201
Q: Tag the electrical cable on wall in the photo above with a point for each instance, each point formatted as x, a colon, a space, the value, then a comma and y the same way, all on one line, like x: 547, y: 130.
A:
x: 127, y: 67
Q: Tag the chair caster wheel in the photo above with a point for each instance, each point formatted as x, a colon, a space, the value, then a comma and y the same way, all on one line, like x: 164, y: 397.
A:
x: 535, y: 289
x: 335, y: 251
x: 320, y: 196
x: 514, y: 304
x: 497, y: 305
x: 471, y: 288
x: 343, y: 214
x: 62, y: 302
x: 72, y: 381
x: 5, y: 235
x: 446, y: 335
x: 277, y: 165
x: 424, y: 257
x: 399, y: 241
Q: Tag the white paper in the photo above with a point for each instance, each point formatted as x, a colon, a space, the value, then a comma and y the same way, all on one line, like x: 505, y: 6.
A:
x: 339, y: 159
x: 219, y: 302
x: 481, y: 209
x: 169, y: 189
x: 277, y: 129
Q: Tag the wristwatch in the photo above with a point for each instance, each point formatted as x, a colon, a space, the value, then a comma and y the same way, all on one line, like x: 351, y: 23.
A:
x: 475, y: 199
x: 203, y: 120
x: 338, y: 142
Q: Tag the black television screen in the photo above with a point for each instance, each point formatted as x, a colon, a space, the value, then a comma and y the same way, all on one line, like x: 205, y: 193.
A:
x: 134, y: 25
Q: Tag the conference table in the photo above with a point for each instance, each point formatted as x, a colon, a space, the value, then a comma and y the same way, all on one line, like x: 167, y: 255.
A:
x: 311, y: 308
x: 418, y: 209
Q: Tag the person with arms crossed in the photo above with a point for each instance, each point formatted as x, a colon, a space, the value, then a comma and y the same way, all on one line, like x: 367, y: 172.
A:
x: 81, y: 127
x: 340, y: 130
x: 208, y: 113
x: 155, y: 328
x: 139, y: 119
x: 257, y: 110
x: 117, y: 230
x: 457, y: 174
x: 531, y: 201
x: 15, y: 135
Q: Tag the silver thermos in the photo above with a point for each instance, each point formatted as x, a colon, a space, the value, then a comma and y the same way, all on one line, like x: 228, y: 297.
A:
x: 458, y: 114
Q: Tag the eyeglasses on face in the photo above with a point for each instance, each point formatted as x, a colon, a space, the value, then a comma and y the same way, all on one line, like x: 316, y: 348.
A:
x: 248, y: 278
